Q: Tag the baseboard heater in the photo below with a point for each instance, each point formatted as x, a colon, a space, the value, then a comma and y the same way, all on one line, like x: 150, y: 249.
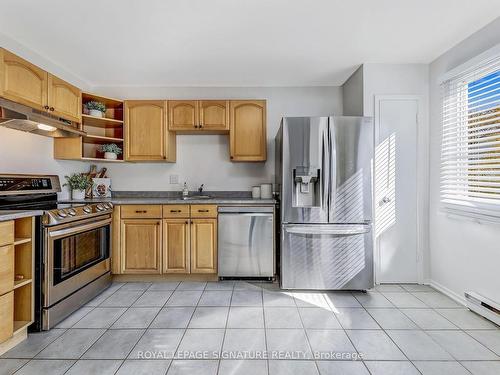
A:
x: 483, y: 306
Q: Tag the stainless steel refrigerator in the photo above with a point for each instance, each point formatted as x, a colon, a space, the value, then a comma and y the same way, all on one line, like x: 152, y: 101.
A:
x: 324, y: 178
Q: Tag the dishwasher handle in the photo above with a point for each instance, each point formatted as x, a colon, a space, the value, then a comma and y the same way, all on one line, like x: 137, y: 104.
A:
x: 245, y: 209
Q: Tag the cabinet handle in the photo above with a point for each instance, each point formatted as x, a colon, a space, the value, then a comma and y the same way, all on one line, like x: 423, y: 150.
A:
x: 201, y: 125
x: 203, y: 210
x: 196, y: 126
x: 175, y: 210
x: 51, y: 109
x: 187, y: 222
x: 140, y: 211
x: 46, y: 107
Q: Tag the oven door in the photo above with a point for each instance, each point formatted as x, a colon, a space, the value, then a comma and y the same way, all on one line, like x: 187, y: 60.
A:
x: 75, y: 254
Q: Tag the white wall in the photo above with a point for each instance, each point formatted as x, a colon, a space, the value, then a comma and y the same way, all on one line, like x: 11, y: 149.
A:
x: 352, y: 94
x: 22, y: 152
x: 205, y: 158
x: 464, y: 255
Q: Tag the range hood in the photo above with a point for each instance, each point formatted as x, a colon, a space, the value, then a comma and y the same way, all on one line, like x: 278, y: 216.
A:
x: 21, y: 117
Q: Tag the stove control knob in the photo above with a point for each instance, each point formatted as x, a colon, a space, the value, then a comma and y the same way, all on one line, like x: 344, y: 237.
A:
x: 61, y: 213
x: 87, y: 209
x: 99, y: 207
x: 72, y: 211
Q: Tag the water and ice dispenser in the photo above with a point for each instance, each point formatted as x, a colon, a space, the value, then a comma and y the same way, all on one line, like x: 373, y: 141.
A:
x: 306, y: 192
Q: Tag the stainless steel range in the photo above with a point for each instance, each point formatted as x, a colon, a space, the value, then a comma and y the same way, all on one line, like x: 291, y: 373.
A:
x: 72, y: 248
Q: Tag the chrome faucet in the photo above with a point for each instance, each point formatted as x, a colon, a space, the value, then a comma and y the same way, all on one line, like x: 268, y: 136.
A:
x: 200, y: 189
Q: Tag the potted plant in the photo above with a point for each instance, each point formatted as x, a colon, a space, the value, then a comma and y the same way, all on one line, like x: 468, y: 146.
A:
x: 111, y: 151
x: 96, y: 109
x: 78, y: 182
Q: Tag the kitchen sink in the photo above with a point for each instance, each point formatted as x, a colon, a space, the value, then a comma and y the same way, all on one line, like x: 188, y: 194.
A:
x: 194, y: 197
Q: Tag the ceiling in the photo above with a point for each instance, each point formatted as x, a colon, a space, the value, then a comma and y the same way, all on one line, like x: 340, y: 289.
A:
x: 237, y: 42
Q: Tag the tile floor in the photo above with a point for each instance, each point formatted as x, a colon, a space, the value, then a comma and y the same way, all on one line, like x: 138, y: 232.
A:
x: 228, y: 328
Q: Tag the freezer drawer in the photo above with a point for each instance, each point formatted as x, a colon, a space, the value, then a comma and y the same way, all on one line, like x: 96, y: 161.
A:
x: 330, y: 256
x: 246, y: 243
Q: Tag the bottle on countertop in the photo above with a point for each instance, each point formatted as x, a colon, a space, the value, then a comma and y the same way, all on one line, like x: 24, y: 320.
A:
x: 185, y: 190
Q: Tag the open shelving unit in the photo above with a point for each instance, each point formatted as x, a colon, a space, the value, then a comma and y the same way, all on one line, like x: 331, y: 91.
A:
x: 100, y: 130
x: 23, y: 264
x: 17, y: 297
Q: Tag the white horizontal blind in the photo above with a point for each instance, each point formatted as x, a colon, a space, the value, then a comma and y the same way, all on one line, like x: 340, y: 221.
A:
x: 470, y: 151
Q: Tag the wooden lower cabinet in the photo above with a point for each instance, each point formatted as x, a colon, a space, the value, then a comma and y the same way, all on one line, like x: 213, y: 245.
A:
x: 204, y: 246
x: 6, y: 316
x: 176, y: 244
x: 6, y: 269
x: 172, y: 245
x: 141, y: 246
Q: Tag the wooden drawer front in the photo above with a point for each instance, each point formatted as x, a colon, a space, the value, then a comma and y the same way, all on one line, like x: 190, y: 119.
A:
x: 147, y: 211
x: 6, y: 232
x: 6, y: 316
x: 6, y: 269
x: 175, y: 210
x: 203, y: 210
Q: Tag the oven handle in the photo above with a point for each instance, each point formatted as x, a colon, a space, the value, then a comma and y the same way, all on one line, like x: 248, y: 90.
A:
x: 78, y: 228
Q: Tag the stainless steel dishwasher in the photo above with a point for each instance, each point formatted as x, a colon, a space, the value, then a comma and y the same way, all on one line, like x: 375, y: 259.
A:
x: 246, y: 242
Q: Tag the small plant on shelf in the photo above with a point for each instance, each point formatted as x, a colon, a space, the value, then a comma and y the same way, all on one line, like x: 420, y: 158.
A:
x: 95, y: 108
x: 78, y: 183
x: 111, y: 151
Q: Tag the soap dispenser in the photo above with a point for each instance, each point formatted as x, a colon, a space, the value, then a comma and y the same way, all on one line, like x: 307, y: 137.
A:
x: 185, y: 190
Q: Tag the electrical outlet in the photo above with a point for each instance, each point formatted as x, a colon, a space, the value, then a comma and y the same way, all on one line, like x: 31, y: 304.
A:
x: 174, y: 179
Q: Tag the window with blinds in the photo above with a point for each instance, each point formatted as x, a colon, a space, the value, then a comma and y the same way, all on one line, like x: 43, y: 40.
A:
x: 470, y: 152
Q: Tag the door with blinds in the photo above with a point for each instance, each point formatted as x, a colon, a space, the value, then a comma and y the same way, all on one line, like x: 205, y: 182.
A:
x: 396, y: 236
x: 470, y: 152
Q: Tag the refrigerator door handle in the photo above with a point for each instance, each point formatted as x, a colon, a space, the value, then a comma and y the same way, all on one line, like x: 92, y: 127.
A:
x: 333, y: 171
x: 325, y: 170
x: 347, y: 230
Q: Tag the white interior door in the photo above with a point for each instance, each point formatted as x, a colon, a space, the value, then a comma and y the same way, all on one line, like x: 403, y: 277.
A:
x: 396, y: 120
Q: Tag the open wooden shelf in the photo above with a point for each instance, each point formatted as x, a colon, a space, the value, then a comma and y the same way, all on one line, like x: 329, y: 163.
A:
x: 101, y: 122
x: 20, y: 283
x: 103, y: 160
x: 20, y: 241
x: 100, y: 140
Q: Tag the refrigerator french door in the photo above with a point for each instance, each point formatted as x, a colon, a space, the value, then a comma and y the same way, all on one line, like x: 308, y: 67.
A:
x: 324, y: 169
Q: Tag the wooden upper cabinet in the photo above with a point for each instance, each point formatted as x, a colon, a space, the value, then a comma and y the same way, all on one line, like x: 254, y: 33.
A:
x: 176, y: 246
x: 21, y: 81
x: 214, y: 115
x: 140, y: 246
x: 204, y: 246
x: 146, y: 135
x: 247, y: 134
x: 183, y: 115
x: 64, y: 99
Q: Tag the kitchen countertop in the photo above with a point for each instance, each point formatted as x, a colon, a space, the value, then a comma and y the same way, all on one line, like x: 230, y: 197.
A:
x: 174, y: 197
x: 168, y: 200
x: 17, y: 214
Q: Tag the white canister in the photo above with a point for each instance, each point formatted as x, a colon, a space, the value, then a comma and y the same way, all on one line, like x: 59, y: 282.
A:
x: 266, y: 191
x: 78, y: 194
x: 256, y: 192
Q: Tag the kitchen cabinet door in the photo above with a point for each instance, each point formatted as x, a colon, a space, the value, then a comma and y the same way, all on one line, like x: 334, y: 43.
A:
x: 64, y: 100
x: 183, y: 115
x: 141, y: 246
x: 6, y: 316
x: 22, y: 82
x: 6, y: 269
x: 247, y: 133
x: 146, y: 135
x: 204, y: 246
x: 176, y: 246
x: 214, y: 115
